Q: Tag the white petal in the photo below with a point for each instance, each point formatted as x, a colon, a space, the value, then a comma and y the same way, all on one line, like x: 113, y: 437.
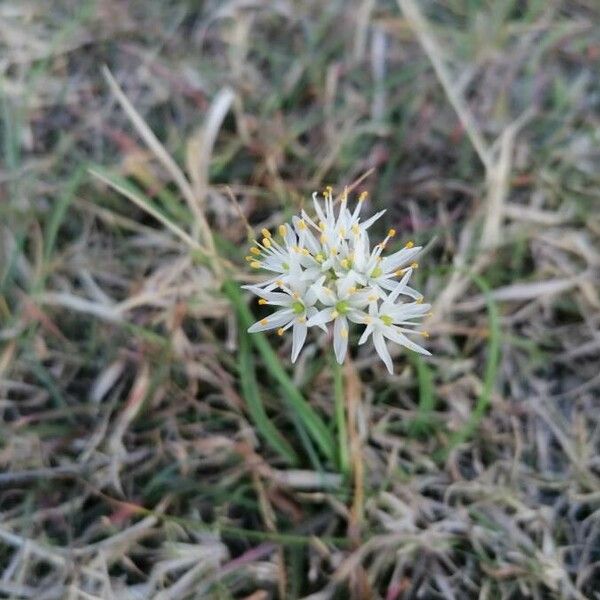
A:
x: 277, y: 319
x: 372, y: 220
x: 382, y: 350
x: 340, y: 338
x: 393, y: 334
x: 322, y: 317
x: 393, y: 261
x: 365, y: 334
x: 399, y: 289
x: 298, y: 338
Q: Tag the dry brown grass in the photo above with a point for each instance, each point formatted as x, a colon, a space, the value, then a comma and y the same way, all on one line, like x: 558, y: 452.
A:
x: 131, y: 466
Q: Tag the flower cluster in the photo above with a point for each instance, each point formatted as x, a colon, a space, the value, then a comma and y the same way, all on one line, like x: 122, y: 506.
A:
x: 324, y: 271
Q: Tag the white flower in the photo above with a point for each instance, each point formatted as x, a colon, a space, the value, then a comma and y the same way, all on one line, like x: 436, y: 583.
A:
x: 326, y: 272
x: 392, y: 320
x: 342, y: 302
x: 297, y: 307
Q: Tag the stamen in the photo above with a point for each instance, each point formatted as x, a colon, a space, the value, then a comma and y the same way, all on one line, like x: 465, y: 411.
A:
x: 266, y: 242
x: 254, y: 250
x: 409, y: 244
x: 335, y: 314
x: 280, y: 331
x: 322, y: 226
x: 301, y: 224
x: 414, y: 265
x: 368, y: 320
x: 425, y: 334
x: 363, y: 196
x: 264, y: 321
x: 282, y: 230
x: 255, y: 265
x: 266, y: 233
x: 263, y: 301
x: 372, y: 297
x: 420, y: 300
x: 355, y: 229
x: 344, y: 333
x: 391, y: 233
x: 280, y: 283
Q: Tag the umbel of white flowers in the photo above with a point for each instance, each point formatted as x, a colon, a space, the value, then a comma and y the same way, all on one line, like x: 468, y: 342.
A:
x: 324, y: 271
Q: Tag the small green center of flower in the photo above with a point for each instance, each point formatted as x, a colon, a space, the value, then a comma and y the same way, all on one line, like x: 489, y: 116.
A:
x: 298, y: 307
x: 376, y: 272
x: 285, y: 266
x: 342, y: 307
x: 387, y: 320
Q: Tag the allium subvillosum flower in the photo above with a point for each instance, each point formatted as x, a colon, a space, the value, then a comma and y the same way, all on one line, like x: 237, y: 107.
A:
x: 323, y: 271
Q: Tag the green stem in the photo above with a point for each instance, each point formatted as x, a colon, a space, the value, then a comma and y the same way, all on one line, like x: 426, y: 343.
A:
x: 340, y: 416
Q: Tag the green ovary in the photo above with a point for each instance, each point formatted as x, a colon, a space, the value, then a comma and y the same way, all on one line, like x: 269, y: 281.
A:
x: 342, y: 307
x: 298, y: 308
x: 376, y: 272
x: 387, y: 320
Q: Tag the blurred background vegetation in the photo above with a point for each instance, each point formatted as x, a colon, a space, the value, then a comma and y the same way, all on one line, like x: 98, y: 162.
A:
x: 149, y: 448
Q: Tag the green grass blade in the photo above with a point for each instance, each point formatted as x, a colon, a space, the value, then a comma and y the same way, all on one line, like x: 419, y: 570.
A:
x: 311, y: 420
x: 423, y: 423
x: 255, y: 406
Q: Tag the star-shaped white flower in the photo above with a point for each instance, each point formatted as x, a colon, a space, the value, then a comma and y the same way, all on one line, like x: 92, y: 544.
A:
x: 342, y: 303
x: 297, y: 306
x: 391, y: 320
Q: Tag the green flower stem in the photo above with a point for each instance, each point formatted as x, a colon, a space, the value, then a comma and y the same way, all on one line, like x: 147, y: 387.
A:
x: 340, y: 416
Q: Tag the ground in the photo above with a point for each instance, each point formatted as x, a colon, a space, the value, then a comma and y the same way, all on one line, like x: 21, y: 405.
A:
x: 149, y: 447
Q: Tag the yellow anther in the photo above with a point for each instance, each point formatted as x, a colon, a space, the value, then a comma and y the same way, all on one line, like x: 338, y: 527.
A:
x: 372, y: 297
x: 399, y: 272
x: 335, y: 314
x: 264, y: 321
x: 323, y: 239
x: 254, y: 250
x: 355, y: 229
x: 344, y: 333
x: 414, y: 265
x: 345, y: 195
x: 301, y: 224
x: 255, y: 265
x: 352, y: 290
x: 263, y: 301
x: 282, y: 230
x: 266, y: 233
x: 249, y: 258
x: 266, y: 242
x: 429, y: 314
x: 409, y: 244
x: 363, y: 196
x: 391, y: 233
x: 345, y: 263
x: 280, y: 331
x: 328, y: 190
x: 420, y: 300
x: 304, y: 252
x: 301, y: 319
x: 279, y: 282
x: 425, y: 334
x: 319, y: 258
x: 322, y: 225
x: 343, y: 231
